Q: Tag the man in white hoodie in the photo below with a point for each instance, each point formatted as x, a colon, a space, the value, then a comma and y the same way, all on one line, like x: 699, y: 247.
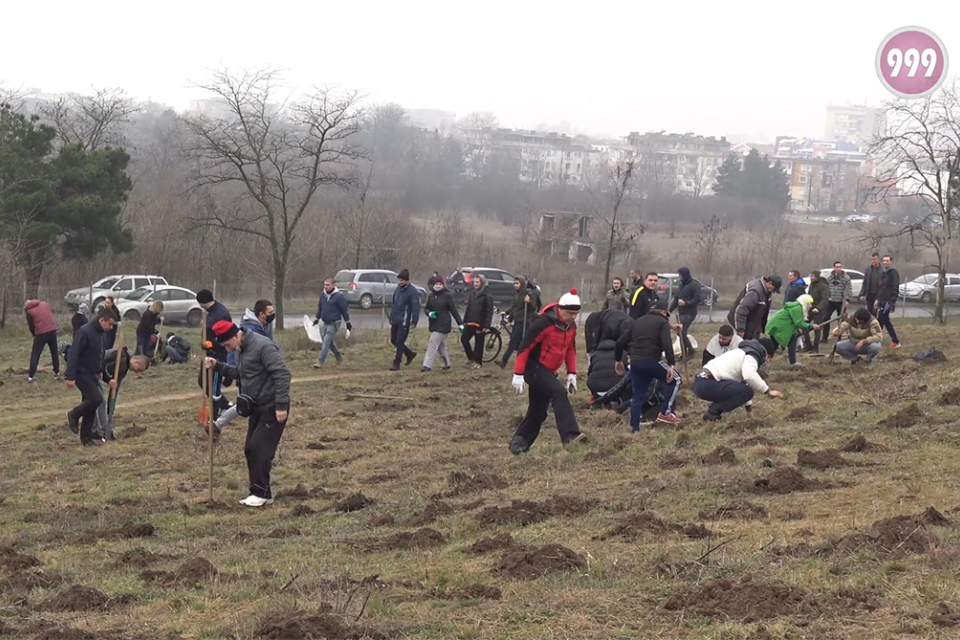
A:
x: 731, y: 380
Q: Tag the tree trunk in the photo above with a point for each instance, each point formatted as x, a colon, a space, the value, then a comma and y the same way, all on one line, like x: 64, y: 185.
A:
x: 32, y: 273
x: 941, y: 293
x: 279, y: 284
x: 606, y: 272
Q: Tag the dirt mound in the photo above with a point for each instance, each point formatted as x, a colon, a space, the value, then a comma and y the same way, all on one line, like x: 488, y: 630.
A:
x: 570, y: 506
x: 739, y: 510
x: 859, y: 444
x: 301, y: 492
x: 800, y: 414
x: 132, y: 432
x: 77, y: 598
x: 636, y: 524
x: 474, y: 591
x: 285, y: 532
x: 419, y: 539
x: 720, y: 455
x: 302, y: 625
x: 945, y: 617
x: 192, y: 573
x: 139, y: 558
x: 786, y: 480
x: 462, y: 483
x: 895, y: 536
x: 748, y: 600
x: 903, y: 419
x: 136, y: 530
x: 301, y: 510
x: 434, y: 510
x: 499, y: 542
x: 29, y: 580
x: 950, y: 398
x: 826, y: 459
x: 529, y: 565
x: 522, y: 512
x: 383, y: 520
x: 353, y: 502
x: 13, y: 560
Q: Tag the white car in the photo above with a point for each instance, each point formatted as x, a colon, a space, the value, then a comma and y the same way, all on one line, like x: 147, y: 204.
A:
x: 856, y: 279
x: 115, y: 286
x: 179, y: 304
x: 924, y: 288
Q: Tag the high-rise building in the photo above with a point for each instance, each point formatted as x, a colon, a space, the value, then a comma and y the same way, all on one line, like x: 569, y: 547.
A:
x: 857, y: 124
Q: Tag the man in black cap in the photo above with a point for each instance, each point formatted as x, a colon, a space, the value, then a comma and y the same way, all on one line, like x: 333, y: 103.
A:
x: 751, y: 310
x: 404, y: 314
x: 216, y: 312
x: 731, y: 380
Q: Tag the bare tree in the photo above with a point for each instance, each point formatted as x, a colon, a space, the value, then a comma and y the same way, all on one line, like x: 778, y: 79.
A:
x: 91, y: 121
x: 919, y: 157
x: 710, y: 244
x: 612, y: 205
x: 473, y: 129
x: 277, y: 155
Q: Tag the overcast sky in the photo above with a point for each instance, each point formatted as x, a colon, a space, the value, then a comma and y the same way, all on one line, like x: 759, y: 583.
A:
x: 716, y: 68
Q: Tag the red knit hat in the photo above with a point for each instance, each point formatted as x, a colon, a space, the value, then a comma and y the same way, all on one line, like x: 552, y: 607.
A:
x: 224, y: 330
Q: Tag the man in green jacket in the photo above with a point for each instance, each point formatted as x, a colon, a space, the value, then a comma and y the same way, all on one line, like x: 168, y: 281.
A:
x: 785, y: 326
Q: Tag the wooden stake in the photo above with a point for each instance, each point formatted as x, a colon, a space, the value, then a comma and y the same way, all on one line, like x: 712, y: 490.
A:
x: 112, y: 394
x: 156, y: 349
x: 210, y: 428
x: 683, y: 352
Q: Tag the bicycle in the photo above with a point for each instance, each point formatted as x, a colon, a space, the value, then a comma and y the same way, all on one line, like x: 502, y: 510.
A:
x: 493, y: 343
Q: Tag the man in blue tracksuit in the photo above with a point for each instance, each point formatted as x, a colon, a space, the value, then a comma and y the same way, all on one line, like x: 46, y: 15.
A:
x: 331, y: 309
x: 404, y: 315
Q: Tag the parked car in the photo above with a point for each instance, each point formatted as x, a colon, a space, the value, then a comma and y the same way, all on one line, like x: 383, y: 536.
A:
x: 671, y: 282
x: 856, y: 279
x: 924, y: 288
x: 179, y: 304
x: 115, y: 286
x: 366, y: 288
x: 499, y: 282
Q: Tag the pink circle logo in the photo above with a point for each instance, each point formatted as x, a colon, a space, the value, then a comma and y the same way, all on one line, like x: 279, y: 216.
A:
x: 912, y: 62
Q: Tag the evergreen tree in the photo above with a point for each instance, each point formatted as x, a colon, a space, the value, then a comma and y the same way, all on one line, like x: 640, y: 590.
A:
x: 728, y: 177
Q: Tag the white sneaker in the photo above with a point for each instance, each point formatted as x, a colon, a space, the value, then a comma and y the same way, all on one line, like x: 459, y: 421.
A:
x: 255, y: 501
x: 31, y: 380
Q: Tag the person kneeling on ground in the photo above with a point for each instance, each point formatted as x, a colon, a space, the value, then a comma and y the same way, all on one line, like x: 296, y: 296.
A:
x: 725, y: 340
x: 730, y: 381
x: 265, y: 401
x: 864, y: 337
x: 136, y: 364
x: 648, y: 341
x: 550, y: 343
x: 787, y: 323
x: 147, y: 329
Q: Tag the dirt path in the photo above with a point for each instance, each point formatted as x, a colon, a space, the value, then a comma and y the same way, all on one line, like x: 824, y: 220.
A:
x: 59, y: 412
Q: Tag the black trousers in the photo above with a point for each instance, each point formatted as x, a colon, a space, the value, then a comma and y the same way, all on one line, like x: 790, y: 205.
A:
x: 474, y: 351
x: 39, y: 342
x: 883, y: 317
x: 832, y: 307
x: 516, y: 336
x: 685, y: 321
x: 813, y: 344
x: 724, y: 395
x: 544, y: 389
x: 263, y: 437
x: 398, y: 338
x: 91, y: 399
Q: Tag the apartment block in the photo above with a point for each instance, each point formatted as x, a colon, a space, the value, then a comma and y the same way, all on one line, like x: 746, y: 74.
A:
x: 857, y: 124
x: 680, y: 163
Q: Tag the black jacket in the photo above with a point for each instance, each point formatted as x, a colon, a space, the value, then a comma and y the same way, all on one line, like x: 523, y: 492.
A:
x: 77, y: 321
x: 819, y: 290
x: 261, y: 372
x: 641, y: 300
x: 479, y: 308
x: 148, y: 323
x: 602, y: 374
x: 85, y: 357
x: 443, y: 305
x: 518, y: 305
x: 110, y: 363
x: 889, y: 285
x: 796, y: 290
x: 608, y: 324
x: 648, y: 340
x: 867, y: 279
x: 690, y: 293
x: 215, y: 314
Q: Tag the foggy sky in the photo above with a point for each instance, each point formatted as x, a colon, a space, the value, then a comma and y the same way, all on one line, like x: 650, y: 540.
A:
x: 716, y: 68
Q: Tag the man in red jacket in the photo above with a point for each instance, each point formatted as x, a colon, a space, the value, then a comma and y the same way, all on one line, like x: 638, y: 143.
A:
x: 551, y: 342
x: 43, y: 328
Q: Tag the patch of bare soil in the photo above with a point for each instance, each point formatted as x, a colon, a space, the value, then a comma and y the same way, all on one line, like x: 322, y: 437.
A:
x: 672, y: 461
x: 739, y: 510
x: 896, y: 536
x: 944, y: 616
x: 903, y: 419
x: 720, y: 455
x: 284, y: 532
x: 462, y: 483
x: 301, y: 511
x: 191, y: 573
x: 499, y: 542
x: 745, y: 425
x: 749, y: 600
x: 302, y: 492
x: 434, y: 510
x: 859, y: 444
x: 78, y: 598
x: 638, y: 523
x: 825, y: 459
x: 786, y: 480
x: 41, y: 630
x: 135, y: 530
x: 474, y: 591
x: 13, y: 560
x: 420, y: 539
x: 811, y: 373
x: 303, y: 625
x: 132, y: 432
x: 353, y: 502
x: 139, y: 558
x: 801, y: 414
x: 607, y: 450
x: 382, y: 520
x: 29, y: 580
x: 529, y: 565
x: 950, y: 398
x: 569, y: 506
x: 522, y: 512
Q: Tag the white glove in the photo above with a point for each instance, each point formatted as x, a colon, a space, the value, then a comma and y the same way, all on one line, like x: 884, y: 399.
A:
x: 518, y: 383
x: 347, y: 334
x: 572, y: 382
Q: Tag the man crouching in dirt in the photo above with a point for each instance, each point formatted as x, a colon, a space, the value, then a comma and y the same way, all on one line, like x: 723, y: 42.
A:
x: 265, y: 400
x: 551, y: 341
x: 730, y: 380
x: 128, y: 363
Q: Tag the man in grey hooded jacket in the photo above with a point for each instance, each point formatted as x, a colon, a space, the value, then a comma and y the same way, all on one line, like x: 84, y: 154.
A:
x: 749, y: 315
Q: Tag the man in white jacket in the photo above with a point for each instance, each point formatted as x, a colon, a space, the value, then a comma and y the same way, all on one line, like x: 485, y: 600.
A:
x: 730, y: 380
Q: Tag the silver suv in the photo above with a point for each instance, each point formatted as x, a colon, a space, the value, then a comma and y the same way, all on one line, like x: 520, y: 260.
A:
x: 366, y: 288
x: 115, y: 286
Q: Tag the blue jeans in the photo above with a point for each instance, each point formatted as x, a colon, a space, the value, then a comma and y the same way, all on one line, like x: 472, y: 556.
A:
x: 329, y: 344
x: 641, y: 375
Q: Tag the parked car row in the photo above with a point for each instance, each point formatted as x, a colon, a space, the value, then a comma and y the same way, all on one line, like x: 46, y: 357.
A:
x: 924, y: 288
x: 115, y: 286
x: 366, y: 288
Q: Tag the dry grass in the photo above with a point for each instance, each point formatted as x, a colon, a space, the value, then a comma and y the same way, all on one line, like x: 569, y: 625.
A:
x: 811, y: 567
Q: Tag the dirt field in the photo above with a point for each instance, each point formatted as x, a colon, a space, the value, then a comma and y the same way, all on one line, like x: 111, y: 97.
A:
x: 832, y: 516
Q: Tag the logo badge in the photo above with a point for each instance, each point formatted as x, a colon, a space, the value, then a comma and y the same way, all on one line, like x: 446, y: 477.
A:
x: 912, y: 62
